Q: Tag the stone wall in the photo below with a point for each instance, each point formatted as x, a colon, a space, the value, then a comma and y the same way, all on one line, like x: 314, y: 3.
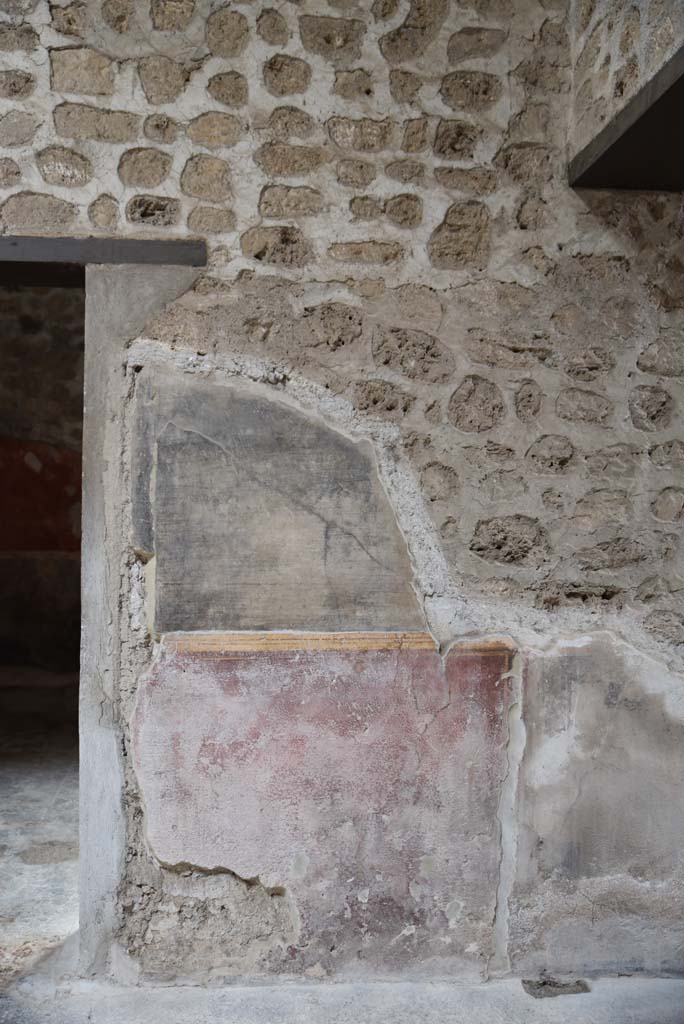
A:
x: 397, y: 261
x: 41, y: 420
x: 617, y: 48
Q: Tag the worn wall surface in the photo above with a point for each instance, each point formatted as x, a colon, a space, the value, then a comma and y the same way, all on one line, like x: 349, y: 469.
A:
x: 422, y: 388
x: 618, y: 46
x: 41, y: 419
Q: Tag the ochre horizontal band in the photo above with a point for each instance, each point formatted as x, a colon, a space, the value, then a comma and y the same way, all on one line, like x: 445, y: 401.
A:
x: 219, y: 643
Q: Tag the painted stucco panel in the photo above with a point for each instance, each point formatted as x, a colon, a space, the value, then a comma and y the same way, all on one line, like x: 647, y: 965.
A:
x: 361, y: 783
x: 600, y: 872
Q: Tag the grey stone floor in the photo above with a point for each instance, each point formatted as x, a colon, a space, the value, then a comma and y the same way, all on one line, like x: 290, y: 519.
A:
x: 38, y: 821
x: 610, y: 1001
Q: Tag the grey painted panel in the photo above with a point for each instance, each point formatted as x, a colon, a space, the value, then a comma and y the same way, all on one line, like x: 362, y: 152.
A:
x: 265, y: 518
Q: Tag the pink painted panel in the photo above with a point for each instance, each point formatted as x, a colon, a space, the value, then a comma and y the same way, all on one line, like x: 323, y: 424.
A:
x: 361, y: 776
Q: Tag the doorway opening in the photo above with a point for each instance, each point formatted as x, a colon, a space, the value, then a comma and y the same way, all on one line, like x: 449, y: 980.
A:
x: 41, y: 424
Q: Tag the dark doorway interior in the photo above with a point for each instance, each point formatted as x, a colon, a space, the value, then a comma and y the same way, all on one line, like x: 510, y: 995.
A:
x: 41, y: 423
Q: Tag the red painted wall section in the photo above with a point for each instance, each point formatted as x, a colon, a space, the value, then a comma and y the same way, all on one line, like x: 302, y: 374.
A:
x: 41, y: 506
x: 360, y: 773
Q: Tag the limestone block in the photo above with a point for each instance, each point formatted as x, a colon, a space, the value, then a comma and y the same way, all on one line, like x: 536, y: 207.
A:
x: 61, y: 166
x: 171, y: 15
x: 229, y: 88
x: 77, y: 69
x: 227, y: 32
x: 144, y: 168
x: 336, y: 39
x: 79, y: 121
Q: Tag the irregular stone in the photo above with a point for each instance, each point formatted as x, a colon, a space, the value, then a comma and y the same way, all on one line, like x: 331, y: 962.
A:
x: 80, y: 70
x: 439, y: 482
x: 665, y: 356
x: 104, y: 212
x: 415, y: 354
x: 206, y: 177
x: 284, y: 75
x: 617, y: 462
x: 77, y: 121
x: 528, y: 163
x: 212, y: 220
x: 278, y: 159
x: 406, y: 211
x: 154, y: 211
x: 227, y: 32
x: 666, y: 625
x: 462, y: 239
x: 61, y: 166
x: 36, y: 213
x: 171, y: 15
x: 406, y: 171
x: 16, y: 85
x: 668, y: 455
x: 118, y: 14
x: 272, y: 27
x: 355, y: 173
x: 160, y: 128
x: 508, y: 353
x: 412, y: 38
x: 617, y: 553
x: 582, y: 406
x: 18, y: 37
x: 528, y: 401
x: 162, y: 79
x: 380, y: 398
x: 284, y: 246
x: 456, y: 140
x: 415, y: 135
x: 70, y: 20
x: 383, y: 10
x: 289, y: 201
x: 353, y: 85
x: 370, y: 251
x: 588, y: 363
x: 336, y: 39
x: 470, y: 90
x: 290, y: 122
x: 474, y: 41
x: 404, y: 86
x: 144, y: 168
x: 510, y: 540
x: 476, y: 405
x: 365, y: 208
x: 229, y: 88
x: 532, y: 214
x: 551, y: 453
x: 17, y: 128
x: 650, y: 408
x: 214, y: 130
x: 365, y: 135
x: 10, y: 173
x: 332, y: 325
x: 601, y: 507
x: 669, y: 505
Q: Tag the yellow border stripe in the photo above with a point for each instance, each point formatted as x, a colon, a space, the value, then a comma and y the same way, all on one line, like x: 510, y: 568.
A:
x: 217, y: 643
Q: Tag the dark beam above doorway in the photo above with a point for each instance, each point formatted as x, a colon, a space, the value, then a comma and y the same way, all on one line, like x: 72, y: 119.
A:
x: 642, y: 148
